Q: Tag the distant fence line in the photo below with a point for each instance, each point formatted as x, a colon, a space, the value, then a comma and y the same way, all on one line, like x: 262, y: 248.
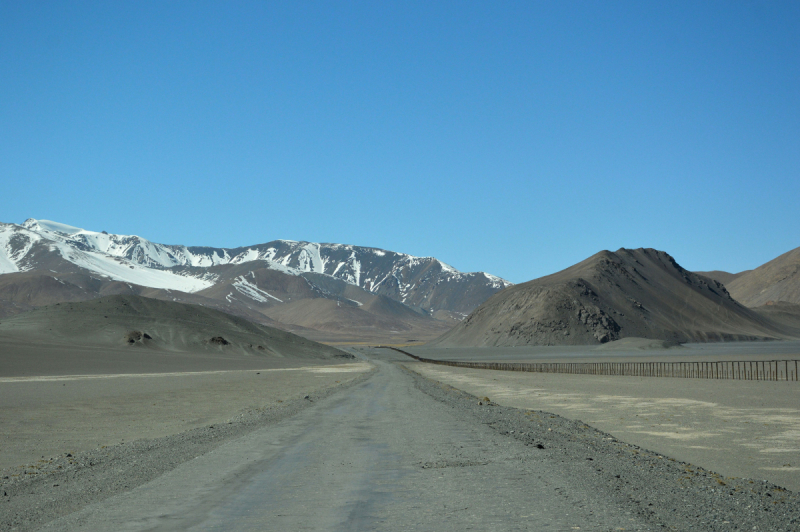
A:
x: 760, y: 370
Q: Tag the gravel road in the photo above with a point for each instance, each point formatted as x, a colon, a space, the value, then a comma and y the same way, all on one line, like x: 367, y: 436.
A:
x: 393, y: 452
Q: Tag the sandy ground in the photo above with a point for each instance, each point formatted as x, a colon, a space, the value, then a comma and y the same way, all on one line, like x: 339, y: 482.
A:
x: 739, y: 429
x: 43, y: 416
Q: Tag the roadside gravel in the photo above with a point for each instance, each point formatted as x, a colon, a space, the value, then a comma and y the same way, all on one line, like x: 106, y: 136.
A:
x: 60, y: 485
x: 659, y: 490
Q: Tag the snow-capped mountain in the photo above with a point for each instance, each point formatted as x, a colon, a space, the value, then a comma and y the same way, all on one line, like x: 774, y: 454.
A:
x: 422, y: 283
x: 61, y: 248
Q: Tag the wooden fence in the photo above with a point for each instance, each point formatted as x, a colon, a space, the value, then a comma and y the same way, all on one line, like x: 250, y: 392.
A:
x: 756, y: 370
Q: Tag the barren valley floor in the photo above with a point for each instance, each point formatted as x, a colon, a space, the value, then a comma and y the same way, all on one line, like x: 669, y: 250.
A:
x: 48, y: 416
x: 393, y: 451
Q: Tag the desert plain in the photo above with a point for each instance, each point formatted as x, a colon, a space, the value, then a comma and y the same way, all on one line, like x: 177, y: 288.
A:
x: 747, y: 429
x: 47, y: 416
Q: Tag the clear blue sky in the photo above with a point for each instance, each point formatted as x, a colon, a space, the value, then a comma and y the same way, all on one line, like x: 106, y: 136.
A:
x: 511, y: 137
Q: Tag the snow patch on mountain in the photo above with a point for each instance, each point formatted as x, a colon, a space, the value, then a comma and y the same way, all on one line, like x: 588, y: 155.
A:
x: 252, y: 291
x: 251, y: 255
x: 497, y: 282
x: 447, y: 268
x: 355, y: 267
x: 184, y: 257
x: 49, y: 226
x: 15, y: 244
x: 120, y: 269
x: 310, y: 259
x: 131, y: 247
x: 7, y: 263
x: 277, y: 266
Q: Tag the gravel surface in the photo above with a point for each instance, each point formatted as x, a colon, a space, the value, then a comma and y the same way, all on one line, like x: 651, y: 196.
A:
x: 504, y: 467
x: 57, y: 486
x: 743, y: 429
x: 661, y: 491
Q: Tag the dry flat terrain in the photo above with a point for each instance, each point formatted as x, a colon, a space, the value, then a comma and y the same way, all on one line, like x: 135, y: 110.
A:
x: 77, y: 376
x: 45, y: 417
x: 393, y: 452
x: 625, y: 350
x: 737, y: 428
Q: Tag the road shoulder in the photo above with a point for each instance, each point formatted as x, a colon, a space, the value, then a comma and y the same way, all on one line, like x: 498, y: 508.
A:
x: 662, y: 491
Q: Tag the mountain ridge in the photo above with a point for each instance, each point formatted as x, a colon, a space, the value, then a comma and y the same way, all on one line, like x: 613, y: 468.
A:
x: 44, y: 262
x: 415, y: 281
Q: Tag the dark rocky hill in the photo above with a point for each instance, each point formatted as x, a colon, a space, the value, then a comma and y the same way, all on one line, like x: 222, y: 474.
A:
x: 613, y: 295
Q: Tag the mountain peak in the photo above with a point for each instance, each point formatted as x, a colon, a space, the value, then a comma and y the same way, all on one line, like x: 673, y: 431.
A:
x: 50, y: 226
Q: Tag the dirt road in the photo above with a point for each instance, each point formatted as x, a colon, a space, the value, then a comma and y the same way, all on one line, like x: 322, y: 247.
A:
x: 399, y: 452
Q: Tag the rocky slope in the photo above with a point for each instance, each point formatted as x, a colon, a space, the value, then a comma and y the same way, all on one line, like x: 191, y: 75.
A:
x: 628, y: 293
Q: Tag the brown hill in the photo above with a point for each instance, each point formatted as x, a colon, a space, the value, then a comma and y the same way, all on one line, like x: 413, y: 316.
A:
x: 333, y: 310
x: 630, y: 293
x: 781, y: 312
x: 777, y: 280
x: 319, y: 306
x: 141, y: 323
x: 721, y: 276
x: 25, y: 291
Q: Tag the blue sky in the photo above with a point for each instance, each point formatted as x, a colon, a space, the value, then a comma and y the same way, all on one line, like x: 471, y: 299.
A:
x: 511, y: 137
